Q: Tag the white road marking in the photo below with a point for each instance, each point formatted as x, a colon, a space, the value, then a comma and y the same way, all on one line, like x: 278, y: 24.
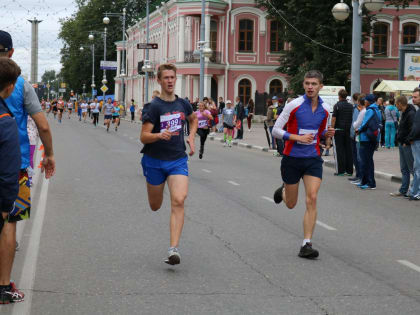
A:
x: 267, y: 198
x: 326, y: 226
x: 409, y: 265
x: 29, y: 268
x: 206, y: 171
x: 233, y: 183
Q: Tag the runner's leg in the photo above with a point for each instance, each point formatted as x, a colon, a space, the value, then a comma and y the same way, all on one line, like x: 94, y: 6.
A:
x: 290, y: 195
x: 312, y: 185
x: 7, y: 252
x: 155, y: 194
x: 178, y: 188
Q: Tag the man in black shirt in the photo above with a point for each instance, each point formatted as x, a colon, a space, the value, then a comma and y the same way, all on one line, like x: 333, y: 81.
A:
x: 341, y: 120
x: 240, y: 115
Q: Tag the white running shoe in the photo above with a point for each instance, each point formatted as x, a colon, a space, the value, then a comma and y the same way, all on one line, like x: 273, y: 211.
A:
x: 225, y: 144
x: 173, y: 256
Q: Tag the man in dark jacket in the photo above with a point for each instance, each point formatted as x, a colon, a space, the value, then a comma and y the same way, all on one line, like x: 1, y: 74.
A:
x: 415, y: 148
x: 341, y: 120
x: 10, y: 161
x: 406, y: 155
x: 240, y: 115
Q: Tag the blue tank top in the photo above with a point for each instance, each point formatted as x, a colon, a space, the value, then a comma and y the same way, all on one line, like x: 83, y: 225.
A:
x: 15, y: 102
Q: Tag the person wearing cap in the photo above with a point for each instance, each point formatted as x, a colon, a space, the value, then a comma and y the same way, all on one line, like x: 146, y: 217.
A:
x: 405, y: 127
x: 367, y: 146
x: 21, y: 103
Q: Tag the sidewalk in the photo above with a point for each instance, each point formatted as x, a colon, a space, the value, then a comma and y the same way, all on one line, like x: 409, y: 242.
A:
x: 387, y: 165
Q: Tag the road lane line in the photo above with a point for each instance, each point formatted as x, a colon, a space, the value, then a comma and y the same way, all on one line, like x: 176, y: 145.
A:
x: 409, y: 265
x: 29, y: 268
x: 233, y: 183
x: 267, y: 198
x: 326, y: 226
x: 206, y: 171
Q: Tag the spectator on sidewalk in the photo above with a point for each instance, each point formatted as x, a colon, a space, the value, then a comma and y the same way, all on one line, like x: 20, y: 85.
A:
x: 355, y: 114
x: 406, y: 155
x: 221, y: 105
x: 341, y: 120
x: 381, y: 106
x: 391, y: 123
x: 272, y: 107
x: 240, y: 116
x: 415, y: 148
x: 249, y: 112
x: 132, y: 110
x: 369, y: 140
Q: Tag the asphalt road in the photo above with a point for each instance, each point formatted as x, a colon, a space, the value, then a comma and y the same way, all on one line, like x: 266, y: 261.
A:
x: 93, y: 246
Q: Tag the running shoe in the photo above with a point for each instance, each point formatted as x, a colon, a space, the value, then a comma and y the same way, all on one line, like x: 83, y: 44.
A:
x: 356, y: 182
x: 225, y: 144
x: 367, y: 187
x: 229, y: 144
x: 414, y: 198
x: 397, y: 194
x: 173, y: 256
x: 278, y: 194
x: 17, y: 246
x: 11, y: 295
x: 308, y: 252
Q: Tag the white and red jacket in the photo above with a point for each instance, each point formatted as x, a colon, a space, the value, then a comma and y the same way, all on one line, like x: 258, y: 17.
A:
x: 298, y: 118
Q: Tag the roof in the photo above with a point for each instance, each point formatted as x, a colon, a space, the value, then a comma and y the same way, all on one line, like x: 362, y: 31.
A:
x: 394, y: 86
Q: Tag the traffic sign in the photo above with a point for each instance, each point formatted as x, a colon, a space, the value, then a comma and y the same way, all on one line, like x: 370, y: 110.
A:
x: 109, y: 65
x: 63, y: 85
x: 62, y: 90
x: 48, y: 85
x: 147, y: 46
x: 104, y: 88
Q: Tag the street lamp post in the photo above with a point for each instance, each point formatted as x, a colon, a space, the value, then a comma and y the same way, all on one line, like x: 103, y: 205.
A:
x: 104, y: 80
x: 106, y: 20
x: 82, y: 48
x: 84, y: 92
x: 340, y: 12
x: 146, y: 97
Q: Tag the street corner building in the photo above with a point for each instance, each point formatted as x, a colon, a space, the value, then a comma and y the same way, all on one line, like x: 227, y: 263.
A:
x: 246, y: 49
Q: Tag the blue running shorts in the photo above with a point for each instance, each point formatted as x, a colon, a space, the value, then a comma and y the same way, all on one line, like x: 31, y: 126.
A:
x: 157, y: 171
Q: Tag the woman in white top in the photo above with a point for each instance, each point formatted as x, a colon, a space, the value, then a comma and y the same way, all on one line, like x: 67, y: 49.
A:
x: 84, y: 107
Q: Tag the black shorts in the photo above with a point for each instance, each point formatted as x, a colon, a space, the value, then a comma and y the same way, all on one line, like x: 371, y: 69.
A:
x: 107, y: 117
x: 225, y: 125
x: 61, y: 110
x: 54, y: 109
x: 293, y: 168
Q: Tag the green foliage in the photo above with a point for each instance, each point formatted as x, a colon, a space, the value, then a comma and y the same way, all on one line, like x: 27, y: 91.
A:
x: 48, y: 76
x: 314, y: 19
x: 76, y: 64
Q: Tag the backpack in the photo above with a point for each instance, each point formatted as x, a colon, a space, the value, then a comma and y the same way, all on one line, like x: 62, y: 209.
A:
x: 373, y: 127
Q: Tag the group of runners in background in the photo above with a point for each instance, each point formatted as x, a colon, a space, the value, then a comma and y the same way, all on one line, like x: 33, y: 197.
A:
x: 85, y: 109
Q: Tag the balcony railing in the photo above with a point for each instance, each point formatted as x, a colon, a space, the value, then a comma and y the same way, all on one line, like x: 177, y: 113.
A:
x: 215, y: 58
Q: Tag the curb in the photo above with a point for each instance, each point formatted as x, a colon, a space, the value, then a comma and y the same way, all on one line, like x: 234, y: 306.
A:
x: 328, y: 163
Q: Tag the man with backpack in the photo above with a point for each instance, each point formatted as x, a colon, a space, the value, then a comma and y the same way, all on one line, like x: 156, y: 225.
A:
x: 370, y: 133
x: 406, y: 155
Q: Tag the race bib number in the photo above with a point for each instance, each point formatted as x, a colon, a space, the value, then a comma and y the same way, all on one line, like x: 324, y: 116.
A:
x: 308, y: 131
x: 171, y: 122
x: 202, y: 124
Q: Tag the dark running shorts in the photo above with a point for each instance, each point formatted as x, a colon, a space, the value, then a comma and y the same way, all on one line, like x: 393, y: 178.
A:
x: 108, y: 117
x: 225, y: 125
x: 293, y: 168
x: 61, y: 110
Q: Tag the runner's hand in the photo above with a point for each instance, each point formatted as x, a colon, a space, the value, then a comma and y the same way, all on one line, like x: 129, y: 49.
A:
x: 330, y: 132
x: 308, y: 138
x: 48, y: 165
x: 192, y: 146
x: 165, y: 135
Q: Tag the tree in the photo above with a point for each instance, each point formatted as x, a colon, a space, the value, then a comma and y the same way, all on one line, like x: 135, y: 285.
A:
x: 76, y: 64
x: 48, y: 76
x: 317, y: 40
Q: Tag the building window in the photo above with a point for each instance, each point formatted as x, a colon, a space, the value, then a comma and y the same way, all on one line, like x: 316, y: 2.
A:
x: 246, y: 35
x: 276, y: 41
x: 213, y: 35
x: 276, y: 87
x: 409, y: 33
x: 380, y: 39
x: 244, y: 90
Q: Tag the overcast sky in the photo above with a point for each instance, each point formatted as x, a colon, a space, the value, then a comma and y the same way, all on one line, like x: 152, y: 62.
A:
x: 13, y: 19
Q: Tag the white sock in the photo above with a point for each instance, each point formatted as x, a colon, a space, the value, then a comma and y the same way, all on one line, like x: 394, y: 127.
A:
x: 306, y: 240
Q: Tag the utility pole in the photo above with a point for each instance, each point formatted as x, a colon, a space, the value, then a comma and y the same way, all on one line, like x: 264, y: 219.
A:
x: 34, y: 50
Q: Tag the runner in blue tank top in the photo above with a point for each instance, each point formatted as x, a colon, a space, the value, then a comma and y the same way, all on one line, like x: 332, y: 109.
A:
x: 305, y: 119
